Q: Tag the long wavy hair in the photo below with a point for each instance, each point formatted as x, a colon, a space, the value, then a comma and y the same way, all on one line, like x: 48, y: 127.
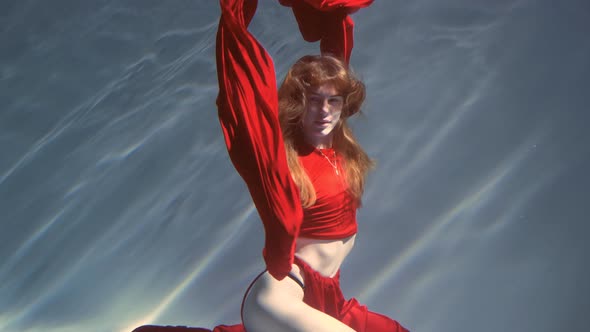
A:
x: 307, y: 74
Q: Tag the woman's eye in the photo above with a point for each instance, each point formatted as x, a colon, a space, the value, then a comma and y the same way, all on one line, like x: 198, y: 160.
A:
x: 333, y: 101
x: 315, y: 100
x: 336, y: 102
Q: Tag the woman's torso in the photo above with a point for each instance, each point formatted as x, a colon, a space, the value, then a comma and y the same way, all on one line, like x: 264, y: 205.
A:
x: 324, y: 256
x: 329, y: 227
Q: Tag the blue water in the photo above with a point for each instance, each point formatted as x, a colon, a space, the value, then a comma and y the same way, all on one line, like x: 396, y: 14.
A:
x: 119, y: 206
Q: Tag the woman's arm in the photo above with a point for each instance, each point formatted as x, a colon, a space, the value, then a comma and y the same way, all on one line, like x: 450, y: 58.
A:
x: 248, y: 112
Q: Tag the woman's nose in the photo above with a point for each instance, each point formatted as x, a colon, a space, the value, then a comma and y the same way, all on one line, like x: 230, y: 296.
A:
x: 325, y: 105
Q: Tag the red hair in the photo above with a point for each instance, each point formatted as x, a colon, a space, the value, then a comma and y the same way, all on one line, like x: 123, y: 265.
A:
x: 307, y: 74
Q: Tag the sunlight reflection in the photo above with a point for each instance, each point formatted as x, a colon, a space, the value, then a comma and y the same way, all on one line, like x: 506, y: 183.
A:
x: 437, y: 138
x: 519, y: 202
x: 51, y: 289
x: 20, y: 252
x: 233, y: 229
x: 470, y: 204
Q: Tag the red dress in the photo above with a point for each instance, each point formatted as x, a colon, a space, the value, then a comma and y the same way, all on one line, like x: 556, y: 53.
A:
x: 248, y: 113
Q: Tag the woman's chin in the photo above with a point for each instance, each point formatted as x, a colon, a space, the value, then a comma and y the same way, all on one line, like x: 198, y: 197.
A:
x: 324, y: 134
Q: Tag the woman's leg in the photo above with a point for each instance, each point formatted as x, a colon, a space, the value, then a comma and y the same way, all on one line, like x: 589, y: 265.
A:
x: 273, y: 305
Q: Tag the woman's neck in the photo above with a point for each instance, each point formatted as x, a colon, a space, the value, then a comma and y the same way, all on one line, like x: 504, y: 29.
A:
x: 323, y: 143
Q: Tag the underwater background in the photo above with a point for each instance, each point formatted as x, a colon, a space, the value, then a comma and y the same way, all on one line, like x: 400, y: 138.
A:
x: 119, y: 205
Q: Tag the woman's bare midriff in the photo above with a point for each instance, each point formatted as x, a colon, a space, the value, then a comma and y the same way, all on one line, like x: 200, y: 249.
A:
x: 324, y: 256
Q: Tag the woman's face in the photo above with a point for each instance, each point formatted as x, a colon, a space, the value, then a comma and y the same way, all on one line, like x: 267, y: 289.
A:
x: 322, y: 113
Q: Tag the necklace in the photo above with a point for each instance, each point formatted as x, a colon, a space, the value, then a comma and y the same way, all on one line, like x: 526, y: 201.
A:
x: 333, y: 164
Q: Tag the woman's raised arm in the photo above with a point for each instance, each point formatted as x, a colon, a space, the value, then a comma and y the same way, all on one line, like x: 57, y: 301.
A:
x: 248, y: 112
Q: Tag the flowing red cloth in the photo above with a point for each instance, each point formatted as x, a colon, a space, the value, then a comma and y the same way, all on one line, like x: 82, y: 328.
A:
x: 248, y: 113
x: 327, y: 21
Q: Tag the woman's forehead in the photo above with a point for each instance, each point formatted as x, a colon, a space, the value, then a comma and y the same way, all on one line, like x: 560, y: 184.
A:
x: 326, y: 90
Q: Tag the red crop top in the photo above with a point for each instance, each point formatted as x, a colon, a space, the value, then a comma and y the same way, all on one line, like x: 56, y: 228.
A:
x: 247, y: 106
x: 333, y: 216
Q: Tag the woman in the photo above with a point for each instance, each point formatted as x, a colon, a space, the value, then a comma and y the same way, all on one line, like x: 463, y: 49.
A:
x: 303, y: 168
x: 329, y: 167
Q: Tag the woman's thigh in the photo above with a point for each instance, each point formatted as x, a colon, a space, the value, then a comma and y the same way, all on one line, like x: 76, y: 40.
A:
x: 273, y: 305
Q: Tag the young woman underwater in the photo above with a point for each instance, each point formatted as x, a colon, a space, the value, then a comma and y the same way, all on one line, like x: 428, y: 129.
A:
x: 302, y: 165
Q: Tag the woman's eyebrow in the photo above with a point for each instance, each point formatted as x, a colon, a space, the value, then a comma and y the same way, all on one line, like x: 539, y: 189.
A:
x: 314, y: 94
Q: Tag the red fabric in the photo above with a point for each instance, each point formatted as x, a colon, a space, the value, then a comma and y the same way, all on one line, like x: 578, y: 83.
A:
x: 327, y: 21
x: 248, y: 112
x: 333, y: 216
x: 325, y: 295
